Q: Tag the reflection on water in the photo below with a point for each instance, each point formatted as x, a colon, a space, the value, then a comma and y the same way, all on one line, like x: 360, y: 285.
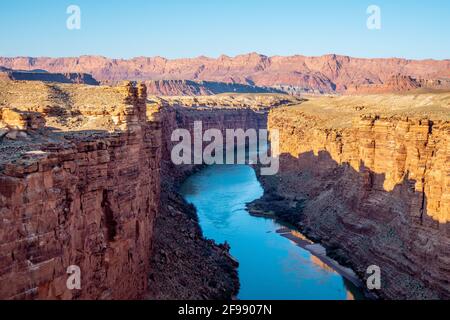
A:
x: 271, y: 265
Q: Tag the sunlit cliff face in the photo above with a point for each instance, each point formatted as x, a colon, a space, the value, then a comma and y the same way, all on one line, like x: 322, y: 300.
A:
x: 390, y: 151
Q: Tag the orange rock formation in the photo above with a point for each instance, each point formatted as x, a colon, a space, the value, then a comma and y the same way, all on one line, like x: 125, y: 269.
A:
x: 373, y: 184
x: 90, y: 199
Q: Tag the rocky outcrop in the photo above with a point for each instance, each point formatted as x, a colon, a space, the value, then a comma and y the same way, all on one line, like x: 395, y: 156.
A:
x: 21, y: 120
x: 375, y: 190
x: 324, y: 74
x: 211, y: 118
x: 89, y: 200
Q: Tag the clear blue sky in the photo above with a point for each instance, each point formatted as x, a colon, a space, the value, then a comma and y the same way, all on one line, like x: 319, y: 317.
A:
x: 188, y: 28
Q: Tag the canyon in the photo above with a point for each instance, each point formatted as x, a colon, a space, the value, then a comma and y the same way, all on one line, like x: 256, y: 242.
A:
x: 84, y: 198
x: 86, y: 179
x: 368, y: 176
x: 198, y: 269
x: 294, y: 74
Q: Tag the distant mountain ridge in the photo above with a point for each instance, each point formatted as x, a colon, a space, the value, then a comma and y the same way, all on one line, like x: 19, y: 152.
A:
x: 325, y: 74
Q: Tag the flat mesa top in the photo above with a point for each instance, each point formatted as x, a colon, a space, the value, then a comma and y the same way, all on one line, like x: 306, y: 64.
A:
x: 56, y: 112
x: 339, y: 111
x: 62, y: 104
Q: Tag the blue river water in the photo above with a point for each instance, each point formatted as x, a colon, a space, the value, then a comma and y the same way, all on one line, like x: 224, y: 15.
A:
x: 271, y: 266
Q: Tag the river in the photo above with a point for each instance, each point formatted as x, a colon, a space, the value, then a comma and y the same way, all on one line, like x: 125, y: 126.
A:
x: 271, y: 265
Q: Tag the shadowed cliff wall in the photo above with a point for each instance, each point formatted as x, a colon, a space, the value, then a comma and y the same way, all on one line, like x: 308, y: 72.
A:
x: 184, y: 264
x: 214, y: 118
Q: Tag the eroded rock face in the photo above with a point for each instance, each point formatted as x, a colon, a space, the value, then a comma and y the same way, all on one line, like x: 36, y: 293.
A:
x: 375, y: 191
x: 87, y: 192
x: 88, y: 201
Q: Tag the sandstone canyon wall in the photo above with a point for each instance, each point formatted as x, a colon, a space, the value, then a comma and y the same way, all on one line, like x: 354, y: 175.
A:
x: 372, y: 185
x: 210, y: 119
x: 88, y: 200
x: 222, y: 112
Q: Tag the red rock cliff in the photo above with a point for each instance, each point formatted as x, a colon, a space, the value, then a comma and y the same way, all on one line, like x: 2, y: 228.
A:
x: 89, y: 200
x: 375, y: 189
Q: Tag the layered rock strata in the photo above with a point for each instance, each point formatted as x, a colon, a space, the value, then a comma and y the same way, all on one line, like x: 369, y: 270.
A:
x: 81, y: 172
x: 221, y: 119
x: 87, y: 199
x: 373, y: 185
